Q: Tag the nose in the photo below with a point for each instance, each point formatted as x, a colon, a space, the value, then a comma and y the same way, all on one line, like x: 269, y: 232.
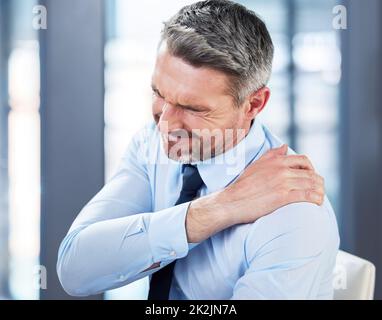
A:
x: 170, y: 119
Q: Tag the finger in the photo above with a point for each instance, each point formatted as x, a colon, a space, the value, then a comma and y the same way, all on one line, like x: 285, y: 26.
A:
x: 297, y: 161
x: 279, y: 151
x: 304, y: 184
x: 304, y: 173
x: 305, y: 196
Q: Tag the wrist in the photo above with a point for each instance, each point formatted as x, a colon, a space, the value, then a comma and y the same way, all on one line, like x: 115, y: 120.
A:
x: 207, y: 216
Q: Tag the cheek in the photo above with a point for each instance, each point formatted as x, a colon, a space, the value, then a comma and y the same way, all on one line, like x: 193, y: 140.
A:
x: 200, y: 122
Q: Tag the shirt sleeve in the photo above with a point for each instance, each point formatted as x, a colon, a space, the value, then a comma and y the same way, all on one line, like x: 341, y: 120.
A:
x: 116, y: 236
x: 285, y: 254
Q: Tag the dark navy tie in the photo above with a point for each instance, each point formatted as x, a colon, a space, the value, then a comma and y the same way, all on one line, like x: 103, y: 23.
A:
x: 161, y: 280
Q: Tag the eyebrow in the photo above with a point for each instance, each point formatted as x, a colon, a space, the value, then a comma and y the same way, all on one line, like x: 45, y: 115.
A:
x: 188, y: 107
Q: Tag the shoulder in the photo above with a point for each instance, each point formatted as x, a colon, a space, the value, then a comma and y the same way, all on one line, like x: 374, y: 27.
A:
x: 143, y: 142
x: 300, y: 229
x: 140, y: 151
x: 145, y: 136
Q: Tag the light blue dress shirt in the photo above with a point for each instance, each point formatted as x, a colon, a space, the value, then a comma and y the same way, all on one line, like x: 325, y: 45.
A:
x: 132, y: 223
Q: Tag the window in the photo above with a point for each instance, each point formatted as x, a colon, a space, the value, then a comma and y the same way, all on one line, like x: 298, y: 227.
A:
x: 20, y: 150
x: 304, y: 104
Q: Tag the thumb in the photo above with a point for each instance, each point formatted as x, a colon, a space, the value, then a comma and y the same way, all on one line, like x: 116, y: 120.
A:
x: 280, y: 151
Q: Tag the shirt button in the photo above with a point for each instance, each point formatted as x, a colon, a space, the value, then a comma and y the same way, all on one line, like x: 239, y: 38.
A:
x: 173, y: 253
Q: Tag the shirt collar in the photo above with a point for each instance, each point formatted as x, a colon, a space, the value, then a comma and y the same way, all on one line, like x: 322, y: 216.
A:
x: 220, y: 171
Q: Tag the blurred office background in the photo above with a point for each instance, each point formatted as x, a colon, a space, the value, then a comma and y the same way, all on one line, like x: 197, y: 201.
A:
x: 72, y: 96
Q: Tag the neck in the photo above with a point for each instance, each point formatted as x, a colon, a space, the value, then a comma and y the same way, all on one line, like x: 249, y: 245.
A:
x: 240, y: 137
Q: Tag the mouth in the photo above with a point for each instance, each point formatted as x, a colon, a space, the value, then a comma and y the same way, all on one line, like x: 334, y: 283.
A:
x: 178, y: 139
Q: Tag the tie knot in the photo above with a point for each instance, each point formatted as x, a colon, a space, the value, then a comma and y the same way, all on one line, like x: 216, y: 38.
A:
x: 192, y: 180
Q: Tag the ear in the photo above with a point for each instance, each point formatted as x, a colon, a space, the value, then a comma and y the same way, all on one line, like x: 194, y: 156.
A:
x: 257, y: 101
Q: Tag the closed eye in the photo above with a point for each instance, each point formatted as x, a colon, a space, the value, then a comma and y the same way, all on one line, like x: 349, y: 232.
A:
x: 157, y: 93
x: 186, y: 107
x: 190, y: 108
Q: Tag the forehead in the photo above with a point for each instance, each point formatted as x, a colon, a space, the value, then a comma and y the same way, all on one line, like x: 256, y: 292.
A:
x: 177, y: 80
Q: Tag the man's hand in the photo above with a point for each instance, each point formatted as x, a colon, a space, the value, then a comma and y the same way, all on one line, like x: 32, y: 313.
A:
x: 273, y: 181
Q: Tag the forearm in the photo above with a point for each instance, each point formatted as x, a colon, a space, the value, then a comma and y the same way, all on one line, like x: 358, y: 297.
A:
x: 208, y: 215
x: 91, y: 260
x: 111, y: 253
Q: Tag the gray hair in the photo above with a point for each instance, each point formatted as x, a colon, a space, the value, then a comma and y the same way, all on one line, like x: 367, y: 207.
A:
x: 224, y: 36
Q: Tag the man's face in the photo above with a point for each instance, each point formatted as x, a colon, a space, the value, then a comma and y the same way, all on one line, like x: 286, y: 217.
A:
x: 193, y: 110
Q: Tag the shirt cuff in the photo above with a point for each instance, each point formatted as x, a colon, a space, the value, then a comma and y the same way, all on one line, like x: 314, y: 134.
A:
x: 167, y: 233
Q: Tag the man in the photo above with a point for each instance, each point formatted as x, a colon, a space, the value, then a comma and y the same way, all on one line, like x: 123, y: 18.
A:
x: 200, y: 202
